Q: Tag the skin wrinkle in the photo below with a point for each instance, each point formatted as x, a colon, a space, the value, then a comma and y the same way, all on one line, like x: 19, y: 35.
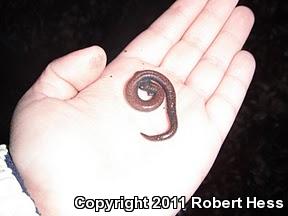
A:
x: 200, y: 93
x: 231, y: 35
x: 194, y: 42
x: 152, y: 33
x: 159, y: 33
x: 178, y: 10
x: 215, y: 61
x: 217, y: 129
x: 212, y: 15
x: 43, y: 82
x: 50, y: 66
x: 220, y: 96
x: 234, y: 78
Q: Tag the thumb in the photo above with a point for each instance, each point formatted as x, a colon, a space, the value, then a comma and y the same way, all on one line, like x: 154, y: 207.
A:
x: 63, y: 78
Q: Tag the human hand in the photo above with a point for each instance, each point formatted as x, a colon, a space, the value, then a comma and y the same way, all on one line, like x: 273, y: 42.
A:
x: 73, y: 133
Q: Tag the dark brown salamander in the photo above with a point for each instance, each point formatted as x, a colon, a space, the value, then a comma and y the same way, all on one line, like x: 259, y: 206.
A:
x: 157, y: 86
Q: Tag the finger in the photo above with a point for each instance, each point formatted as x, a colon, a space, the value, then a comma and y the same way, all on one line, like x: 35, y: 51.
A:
x: 183, y: 57
x: 152, y: 44
x: 224, y: 104
x: 63, y: 78
x: 209, y: 71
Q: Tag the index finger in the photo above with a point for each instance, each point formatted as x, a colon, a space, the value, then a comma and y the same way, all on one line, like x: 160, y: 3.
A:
x: 152, y: 44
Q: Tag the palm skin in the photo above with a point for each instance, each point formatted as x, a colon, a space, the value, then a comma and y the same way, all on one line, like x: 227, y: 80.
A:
x: 73, y: 133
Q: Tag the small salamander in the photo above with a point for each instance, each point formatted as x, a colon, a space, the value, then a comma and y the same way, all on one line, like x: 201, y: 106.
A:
x: 157, y: 86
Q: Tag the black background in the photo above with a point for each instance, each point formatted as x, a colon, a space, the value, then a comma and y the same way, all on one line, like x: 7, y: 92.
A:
x: 253, y: 160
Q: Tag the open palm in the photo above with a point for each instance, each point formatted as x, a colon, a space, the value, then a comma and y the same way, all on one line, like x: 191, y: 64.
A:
x: 73, y: 132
